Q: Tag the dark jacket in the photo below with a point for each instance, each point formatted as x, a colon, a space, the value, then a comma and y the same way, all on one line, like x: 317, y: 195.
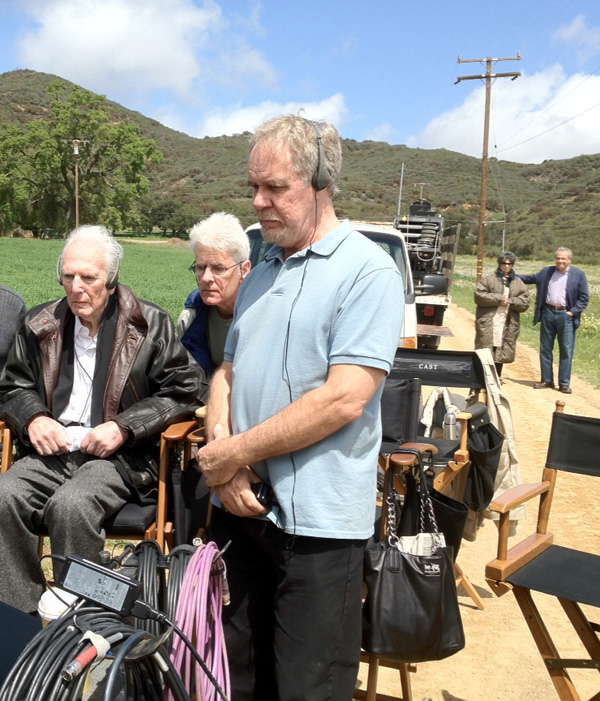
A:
x: 578, y: 294
x: 489, y: 292
x: 12, y: 308
x: 195, y: 338
x: 148, y: 381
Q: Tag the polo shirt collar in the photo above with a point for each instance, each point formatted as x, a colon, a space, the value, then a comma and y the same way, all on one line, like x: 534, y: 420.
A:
x: 325, y: 247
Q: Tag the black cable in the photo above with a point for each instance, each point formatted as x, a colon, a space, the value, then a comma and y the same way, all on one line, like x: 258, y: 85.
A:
x: 148, y: 552
x: 179, y: 559
x: 118, y: 659
x: 140, y: 608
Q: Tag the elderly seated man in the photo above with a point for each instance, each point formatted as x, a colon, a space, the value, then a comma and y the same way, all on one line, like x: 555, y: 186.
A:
x: 90, y: 382
x: 221, y: 249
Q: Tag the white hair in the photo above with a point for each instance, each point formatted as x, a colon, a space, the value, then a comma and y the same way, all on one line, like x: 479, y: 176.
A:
x: 98, y: 235
x: 221, y: 232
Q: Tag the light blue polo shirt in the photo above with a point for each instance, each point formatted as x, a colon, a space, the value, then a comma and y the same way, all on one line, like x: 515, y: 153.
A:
x: 340, y: 302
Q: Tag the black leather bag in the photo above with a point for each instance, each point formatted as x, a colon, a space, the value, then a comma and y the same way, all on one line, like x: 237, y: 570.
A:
x: 450, y: 514
x: 411, y: 613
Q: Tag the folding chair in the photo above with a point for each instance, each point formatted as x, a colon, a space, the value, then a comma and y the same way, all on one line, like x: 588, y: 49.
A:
x: 437, y: 368
x: 402, y: 462
x: 401, y: 403
x: 539, y: 565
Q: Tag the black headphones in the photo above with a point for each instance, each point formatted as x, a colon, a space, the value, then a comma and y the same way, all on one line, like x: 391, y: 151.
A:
x: 322, y: 177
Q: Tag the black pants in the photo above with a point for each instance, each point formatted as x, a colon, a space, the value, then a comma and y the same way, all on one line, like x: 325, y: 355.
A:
x: 293, y: 628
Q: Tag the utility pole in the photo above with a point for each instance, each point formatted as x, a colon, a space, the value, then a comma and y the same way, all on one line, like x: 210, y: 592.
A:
x: 486, y: 129
x: 76, y: 154
x: 421, y: 186
x: 76, y: 143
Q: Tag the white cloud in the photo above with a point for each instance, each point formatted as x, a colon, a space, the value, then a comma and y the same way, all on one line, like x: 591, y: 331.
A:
x: 128, y: 48
x: 541, y: 116
x: 383, y: 132
x: 219, y: 122
x: 578, y: 34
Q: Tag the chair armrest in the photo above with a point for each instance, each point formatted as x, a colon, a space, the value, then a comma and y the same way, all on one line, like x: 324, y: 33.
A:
x: 196, y: 436
x: 518, y: 495
x: 177, y: 432
x: 519, y: 555
x: 408, y: 459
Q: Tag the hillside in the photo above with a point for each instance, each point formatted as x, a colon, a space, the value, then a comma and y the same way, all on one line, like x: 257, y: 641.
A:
x: 554, y: 203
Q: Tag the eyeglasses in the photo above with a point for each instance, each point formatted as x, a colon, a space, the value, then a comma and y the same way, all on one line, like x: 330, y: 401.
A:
x: 507, y: 262
x: 216, y: 270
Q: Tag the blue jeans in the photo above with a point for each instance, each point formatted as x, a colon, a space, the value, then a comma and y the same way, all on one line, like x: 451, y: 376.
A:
x: 556, y: 323
x: 293, y: 628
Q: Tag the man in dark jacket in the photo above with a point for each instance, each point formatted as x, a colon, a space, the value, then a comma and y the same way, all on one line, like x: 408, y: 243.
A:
x: 91, y: 381
x: 562, y: 294
x: 12, y: 308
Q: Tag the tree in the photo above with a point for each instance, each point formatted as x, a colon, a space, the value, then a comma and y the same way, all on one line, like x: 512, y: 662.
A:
x: 37, y: 166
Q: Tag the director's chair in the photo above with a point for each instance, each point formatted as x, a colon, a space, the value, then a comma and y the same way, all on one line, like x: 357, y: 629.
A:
x: 539, y: 565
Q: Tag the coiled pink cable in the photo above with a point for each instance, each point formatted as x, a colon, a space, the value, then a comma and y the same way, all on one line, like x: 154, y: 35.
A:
x: 198, y: 615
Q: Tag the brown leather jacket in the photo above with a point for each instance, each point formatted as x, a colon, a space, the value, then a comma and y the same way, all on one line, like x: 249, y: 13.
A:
x: 150, y: 380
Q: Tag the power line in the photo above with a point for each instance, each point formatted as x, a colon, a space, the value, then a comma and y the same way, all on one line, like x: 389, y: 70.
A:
x: 593, y: 74
x: 488, y: 90
x: 531, y: 138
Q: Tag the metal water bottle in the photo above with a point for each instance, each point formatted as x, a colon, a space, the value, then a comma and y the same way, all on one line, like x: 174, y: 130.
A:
x: 450, y: 426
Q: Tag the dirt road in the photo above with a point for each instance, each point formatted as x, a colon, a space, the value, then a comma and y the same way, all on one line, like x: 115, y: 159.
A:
x: 500, y: 661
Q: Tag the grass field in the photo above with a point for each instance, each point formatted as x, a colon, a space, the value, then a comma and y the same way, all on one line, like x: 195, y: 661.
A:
x: 158, y: 272
x: 586, y: 362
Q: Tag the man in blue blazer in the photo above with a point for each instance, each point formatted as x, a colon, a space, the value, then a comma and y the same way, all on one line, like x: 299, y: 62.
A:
x: 562, y: 294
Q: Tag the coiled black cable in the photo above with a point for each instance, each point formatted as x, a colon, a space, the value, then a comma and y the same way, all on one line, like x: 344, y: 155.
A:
x: 46, y: 669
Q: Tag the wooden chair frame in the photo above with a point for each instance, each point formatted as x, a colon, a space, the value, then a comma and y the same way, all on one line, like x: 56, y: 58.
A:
x: 441, y: 482
x: 509, y: 561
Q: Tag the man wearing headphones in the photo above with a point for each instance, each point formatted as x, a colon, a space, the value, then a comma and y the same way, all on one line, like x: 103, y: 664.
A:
x: 91, y: 381
x: 294, y: 414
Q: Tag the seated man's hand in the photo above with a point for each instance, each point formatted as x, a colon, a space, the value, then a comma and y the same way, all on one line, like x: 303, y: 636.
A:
x: 237, y: 496
x: 104, y: 440
x: 47, y: 436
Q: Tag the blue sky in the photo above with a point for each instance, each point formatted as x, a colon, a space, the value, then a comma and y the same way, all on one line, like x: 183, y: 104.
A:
x: 379, y: 69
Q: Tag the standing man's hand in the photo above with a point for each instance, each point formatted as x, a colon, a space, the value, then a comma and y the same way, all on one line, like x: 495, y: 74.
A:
x: 104, y: 440
x: 237, y: 496
x: 48, y: 436
x: 213, y: 459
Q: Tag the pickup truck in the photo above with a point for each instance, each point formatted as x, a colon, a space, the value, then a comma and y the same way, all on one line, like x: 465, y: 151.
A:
x: 392, y: 243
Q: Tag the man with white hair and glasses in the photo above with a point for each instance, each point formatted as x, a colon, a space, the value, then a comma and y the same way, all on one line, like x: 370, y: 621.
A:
x: 90, y: 383
x: 221, y: 250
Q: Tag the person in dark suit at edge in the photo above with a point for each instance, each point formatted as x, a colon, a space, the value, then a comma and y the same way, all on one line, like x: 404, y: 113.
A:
x: 562, y: 295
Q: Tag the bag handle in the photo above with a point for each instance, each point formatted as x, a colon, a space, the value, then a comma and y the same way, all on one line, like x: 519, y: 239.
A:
x: 426, y: 505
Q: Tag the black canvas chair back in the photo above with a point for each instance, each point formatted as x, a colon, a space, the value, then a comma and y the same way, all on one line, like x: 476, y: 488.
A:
x: 440, y: 368
x: 400, y: 408
x: 574, y: 444
x: 462, y: 369
x: 538, y: 564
